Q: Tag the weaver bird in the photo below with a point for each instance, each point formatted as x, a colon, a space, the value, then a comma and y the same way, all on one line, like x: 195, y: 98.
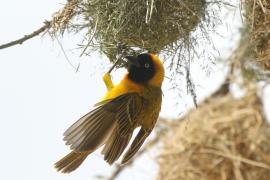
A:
x: 134, y: 102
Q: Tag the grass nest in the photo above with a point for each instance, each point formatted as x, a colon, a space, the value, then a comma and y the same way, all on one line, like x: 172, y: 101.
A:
x: 225, y: 138
x: 254, y: 50
x: 120, y: 27
x: 149, y: 25
x: 258, y: 20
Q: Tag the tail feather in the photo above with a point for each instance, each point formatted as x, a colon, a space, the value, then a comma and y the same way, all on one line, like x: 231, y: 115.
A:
x: 70, y: 162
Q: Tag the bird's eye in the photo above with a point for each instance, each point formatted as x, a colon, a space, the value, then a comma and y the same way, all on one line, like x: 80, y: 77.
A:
x: 146, y: 65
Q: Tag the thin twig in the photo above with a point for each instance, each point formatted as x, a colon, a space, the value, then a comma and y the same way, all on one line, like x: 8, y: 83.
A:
x: 261, y: 4
x: 91, y: 38
x: 66, y: 56
x: 253, y: 14
x: 47, y: 25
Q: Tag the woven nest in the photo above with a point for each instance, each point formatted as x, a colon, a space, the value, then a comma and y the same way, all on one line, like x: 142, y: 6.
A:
x: 258, y: 19
x: 225, y: 138
x: 254, y: 50
x: 117, y: 27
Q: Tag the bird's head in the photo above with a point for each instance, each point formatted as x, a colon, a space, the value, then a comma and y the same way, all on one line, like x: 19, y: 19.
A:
x: 145, y: 69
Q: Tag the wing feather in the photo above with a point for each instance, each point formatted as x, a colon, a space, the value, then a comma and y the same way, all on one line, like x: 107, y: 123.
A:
x: 136, y: 144
x: 115, y: 146
x: 126, y: 119
x: 90, y: 131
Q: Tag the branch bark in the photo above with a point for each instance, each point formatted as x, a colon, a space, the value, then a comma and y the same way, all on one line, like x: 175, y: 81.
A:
x: 47, y: 25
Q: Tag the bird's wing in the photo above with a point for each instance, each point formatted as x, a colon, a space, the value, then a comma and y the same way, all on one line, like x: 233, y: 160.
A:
x: 115, y: 146
x: 127, y: 115
x: 90, y: 131
x: 136, y: 144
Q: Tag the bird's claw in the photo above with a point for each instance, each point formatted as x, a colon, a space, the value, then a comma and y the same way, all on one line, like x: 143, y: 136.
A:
x: 108, y: 81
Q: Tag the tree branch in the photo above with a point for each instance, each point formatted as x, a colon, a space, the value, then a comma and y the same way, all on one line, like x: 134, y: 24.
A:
x: 47, y: 25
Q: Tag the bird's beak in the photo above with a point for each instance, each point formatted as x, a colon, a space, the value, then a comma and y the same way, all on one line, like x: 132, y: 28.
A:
x: 133, y: 60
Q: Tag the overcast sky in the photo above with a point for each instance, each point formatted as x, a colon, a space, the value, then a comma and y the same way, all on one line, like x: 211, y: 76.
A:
x: 41, y: 94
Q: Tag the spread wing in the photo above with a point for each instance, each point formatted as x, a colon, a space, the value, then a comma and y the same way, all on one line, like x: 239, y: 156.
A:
x: 91, y: 131
x: 136, y: 144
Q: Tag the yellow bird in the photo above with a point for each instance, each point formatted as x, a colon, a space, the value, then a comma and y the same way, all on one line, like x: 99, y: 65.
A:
x: 134, y: 102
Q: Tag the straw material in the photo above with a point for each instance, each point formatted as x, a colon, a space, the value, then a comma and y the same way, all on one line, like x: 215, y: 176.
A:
x: 253, y: 53
x: 224, y: 139
x: 119, y: 27
x: 258, y: 20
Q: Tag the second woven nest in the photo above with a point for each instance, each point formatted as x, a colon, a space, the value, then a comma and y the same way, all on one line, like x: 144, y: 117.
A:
x: 224, y: 139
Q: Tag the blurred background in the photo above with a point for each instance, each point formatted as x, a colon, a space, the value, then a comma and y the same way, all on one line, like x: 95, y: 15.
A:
x: 46, y: 85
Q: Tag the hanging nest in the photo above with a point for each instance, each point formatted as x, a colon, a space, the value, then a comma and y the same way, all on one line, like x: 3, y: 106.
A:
x: 225, y: 138
x: 254, y: 50
x: 117, y: 27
